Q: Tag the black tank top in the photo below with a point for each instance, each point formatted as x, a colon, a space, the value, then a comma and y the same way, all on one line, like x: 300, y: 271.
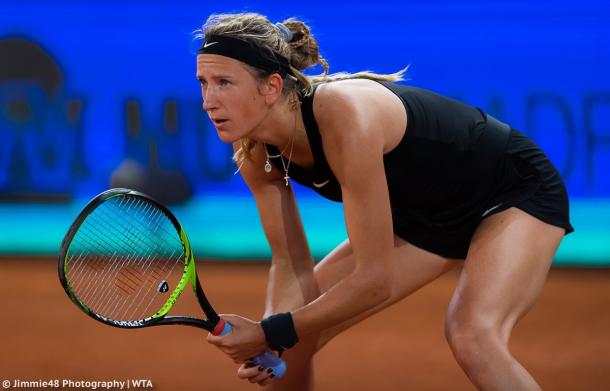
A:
x: 441, y: 172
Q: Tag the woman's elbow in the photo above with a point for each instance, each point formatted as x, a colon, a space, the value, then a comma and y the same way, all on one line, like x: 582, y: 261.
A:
x: 377, y: 288
x: 382, y: 290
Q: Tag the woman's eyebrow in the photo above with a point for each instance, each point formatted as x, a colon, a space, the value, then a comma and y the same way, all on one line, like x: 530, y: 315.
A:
x: 215, y: 77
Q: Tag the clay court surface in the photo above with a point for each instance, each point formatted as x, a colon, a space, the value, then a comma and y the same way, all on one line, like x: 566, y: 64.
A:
x: 564, y: 341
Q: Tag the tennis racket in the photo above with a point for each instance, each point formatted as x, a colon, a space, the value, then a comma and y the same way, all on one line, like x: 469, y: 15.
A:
x: 125, y: 261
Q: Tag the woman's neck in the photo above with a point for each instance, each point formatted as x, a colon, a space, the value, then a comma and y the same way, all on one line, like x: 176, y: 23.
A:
x: 282, y: 124
x: 283, y: 128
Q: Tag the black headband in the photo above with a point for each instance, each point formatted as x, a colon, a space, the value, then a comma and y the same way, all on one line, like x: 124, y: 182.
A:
x: 247, y: 53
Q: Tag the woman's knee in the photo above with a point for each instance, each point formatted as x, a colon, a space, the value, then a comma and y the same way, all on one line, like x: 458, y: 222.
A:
x: 471, y: 337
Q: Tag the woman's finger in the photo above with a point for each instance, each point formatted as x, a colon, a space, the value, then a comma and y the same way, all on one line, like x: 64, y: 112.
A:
x: 269, y: 377
x: 263, y: 377
x: 256, y: 374
x: 248, y: 370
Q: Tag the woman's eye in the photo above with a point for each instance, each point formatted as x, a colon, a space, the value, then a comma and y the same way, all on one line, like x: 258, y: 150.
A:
x: 224, y: 82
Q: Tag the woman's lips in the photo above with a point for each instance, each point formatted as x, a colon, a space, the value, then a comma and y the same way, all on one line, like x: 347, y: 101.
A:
x: 219, y: 121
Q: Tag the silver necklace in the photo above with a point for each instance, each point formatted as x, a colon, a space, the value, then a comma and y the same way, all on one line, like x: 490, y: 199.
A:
x: 285, y: 166
x: 267, y: 164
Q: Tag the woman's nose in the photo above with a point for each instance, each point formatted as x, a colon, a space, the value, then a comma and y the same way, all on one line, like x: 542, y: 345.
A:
x: 209, y: 100
x: 207, y: 105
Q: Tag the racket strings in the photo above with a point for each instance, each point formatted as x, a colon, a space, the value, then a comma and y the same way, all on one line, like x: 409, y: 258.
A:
x: 146, y: 262
x: 161, y: 268
x: 92, y: 239
x: 120, y: 256
x: 130, y: 249
x: 110, y: 270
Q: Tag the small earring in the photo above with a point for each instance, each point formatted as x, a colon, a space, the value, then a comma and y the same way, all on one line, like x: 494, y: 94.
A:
x: 267, y: 166
x: 293, y: 102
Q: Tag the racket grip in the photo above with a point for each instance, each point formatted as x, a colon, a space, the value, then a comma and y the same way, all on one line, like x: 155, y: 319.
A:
x: 270, y: 360
x: 265, y: 359
x: 222, y: 328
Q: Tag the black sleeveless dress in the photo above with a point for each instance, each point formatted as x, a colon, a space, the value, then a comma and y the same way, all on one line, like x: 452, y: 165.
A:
x: 454, y: 166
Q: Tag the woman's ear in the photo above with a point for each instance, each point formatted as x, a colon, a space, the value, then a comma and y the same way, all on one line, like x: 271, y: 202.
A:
x: 272, y: 88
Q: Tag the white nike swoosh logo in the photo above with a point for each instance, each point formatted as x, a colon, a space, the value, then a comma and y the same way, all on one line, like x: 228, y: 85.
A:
x: 491, y: 209
x: 205, y: 45
x: 319, y: 185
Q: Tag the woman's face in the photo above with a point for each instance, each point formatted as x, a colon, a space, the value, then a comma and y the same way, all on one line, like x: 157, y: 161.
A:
x: 231, y: 96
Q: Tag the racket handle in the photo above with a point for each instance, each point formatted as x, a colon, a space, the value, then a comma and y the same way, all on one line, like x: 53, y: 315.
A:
x: 265, y: 359
x: 270, y: 360
x: 222, y: 328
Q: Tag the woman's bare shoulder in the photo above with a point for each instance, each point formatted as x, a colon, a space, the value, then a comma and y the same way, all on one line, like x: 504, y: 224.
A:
x: 340, y: 103
x: 359, y: 109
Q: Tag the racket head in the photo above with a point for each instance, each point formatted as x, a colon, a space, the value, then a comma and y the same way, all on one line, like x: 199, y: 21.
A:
x: 126, y: 259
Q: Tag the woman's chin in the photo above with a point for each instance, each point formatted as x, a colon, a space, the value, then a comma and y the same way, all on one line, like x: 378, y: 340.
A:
x: 226, y: 136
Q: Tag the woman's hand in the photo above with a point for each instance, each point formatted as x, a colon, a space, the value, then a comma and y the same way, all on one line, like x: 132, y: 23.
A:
x: 246, y: 340
x: 255, y: 373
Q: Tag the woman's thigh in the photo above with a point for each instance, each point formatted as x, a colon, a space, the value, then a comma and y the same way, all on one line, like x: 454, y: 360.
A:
x: 504, y: 272
x: 412, y: 268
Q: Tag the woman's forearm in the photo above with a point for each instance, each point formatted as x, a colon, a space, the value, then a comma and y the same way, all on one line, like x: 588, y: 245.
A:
x: 291, y: 285
x: 355, y: 294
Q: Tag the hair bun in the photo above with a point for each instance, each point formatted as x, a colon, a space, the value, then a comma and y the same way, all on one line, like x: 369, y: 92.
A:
x: 300, y: 32
x: 305, y: 49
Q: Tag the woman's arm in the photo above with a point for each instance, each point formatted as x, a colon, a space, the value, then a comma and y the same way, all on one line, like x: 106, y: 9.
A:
x: 353, y: 144
x: 291, y: 283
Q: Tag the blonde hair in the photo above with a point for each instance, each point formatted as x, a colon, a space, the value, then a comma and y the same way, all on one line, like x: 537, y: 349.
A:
x: 302, y: 51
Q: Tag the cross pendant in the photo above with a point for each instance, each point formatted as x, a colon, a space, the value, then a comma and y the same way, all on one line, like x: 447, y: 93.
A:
x: 286, y: 177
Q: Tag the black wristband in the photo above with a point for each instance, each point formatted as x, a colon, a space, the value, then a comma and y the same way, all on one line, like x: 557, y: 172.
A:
x: 279, y: 331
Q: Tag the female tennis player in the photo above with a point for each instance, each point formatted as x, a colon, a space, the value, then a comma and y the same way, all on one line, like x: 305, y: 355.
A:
x: 426, y: 183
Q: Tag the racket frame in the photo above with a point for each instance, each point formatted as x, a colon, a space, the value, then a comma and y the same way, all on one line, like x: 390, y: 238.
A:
x: 213, y: 323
